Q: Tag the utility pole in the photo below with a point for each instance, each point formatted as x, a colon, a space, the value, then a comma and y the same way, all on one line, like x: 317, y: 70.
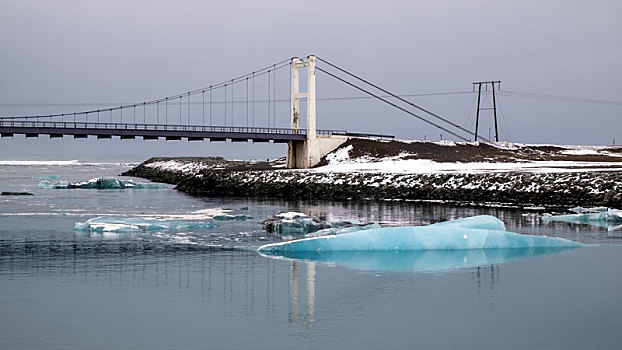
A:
x: 486, y: 84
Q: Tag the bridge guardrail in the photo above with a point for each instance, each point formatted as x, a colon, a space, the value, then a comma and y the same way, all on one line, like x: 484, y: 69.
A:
x: 162, y: 127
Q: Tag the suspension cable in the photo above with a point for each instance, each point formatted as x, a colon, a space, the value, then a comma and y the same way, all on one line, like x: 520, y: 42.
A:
x: 392, y: 104
x: 397, y: 97
x: 262, y: 71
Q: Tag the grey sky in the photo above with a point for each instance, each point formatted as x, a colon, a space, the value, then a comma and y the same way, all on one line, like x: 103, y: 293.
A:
x: 130, y: 51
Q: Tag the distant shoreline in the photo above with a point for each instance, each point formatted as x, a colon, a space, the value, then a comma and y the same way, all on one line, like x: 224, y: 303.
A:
x: 217, y: 177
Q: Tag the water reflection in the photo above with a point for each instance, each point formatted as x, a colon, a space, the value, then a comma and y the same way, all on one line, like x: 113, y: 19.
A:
x: 295, y: 316
x: 419, y: 261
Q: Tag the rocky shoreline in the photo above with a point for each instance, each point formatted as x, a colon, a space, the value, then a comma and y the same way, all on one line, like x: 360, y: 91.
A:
x: 220, y: 178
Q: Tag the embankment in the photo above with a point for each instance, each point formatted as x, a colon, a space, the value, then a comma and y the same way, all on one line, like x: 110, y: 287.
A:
x: 578, y: 184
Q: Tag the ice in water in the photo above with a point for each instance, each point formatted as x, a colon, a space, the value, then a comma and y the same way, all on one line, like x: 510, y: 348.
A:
x: 480, y: 232
x: 232, y: 217
x: 101, y: 183
x: 300, y: 224
x: 418, y: 260
x: 135, y: 224
x: 600, y: 216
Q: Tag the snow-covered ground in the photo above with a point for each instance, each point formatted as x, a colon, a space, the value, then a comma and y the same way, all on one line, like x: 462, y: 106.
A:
x: 340, y: 161
x: 426, y: 166
x: 185, y: 167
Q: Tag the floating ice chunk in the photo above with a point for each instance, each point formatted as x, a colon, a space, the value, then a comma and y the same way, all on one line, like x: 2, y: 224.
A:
x: 231, y: 217
x: 52, y: 186
x: 292, y: 223
x: 46, y: 177
x: 101, y: 183
x: 594, y: 215
x: 133, y: 224
x: 291, y: 215
x: 418, y: 260
x: 299, y: 224
x: 587, y: 210
x: 443, y: 236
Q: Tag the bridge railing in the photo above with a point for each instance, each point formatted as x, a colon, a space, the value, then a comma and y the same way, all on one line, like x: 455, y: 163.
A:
x: 59, y: 125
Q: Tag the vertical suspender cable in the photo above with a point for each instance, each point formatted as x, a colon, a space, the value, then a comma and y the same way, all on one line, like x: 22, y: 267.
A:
x: 231, y: 102
x: 274, y: 97
x: 225, y: 105
x: 269, y: 85
x: 210, y: 105
x: 247, y: 102
x: 188, y: 108
x: 157, y: 112
x: 253, y: 99
x: 203, y: 104
x: 166, y: 109
x: 179, y: 109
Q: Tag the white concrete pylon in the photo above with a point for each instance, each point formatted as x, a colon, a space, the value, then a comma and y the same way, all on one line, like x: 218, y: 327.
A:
x: 311, y: 98
x: 307, y: 153
x: 296, y: 64
x: 295, y: 89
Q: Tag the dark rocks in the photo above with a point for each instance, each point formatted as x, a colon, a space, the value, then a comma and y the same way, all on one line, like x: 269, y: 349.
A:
x: 10, y: 193
x: 216, y: 177
x: 506, y: 188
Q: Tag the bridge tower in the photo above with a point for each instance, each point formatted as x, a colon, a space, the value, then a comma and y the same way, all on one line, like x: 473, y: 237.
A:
x: 307, y: 153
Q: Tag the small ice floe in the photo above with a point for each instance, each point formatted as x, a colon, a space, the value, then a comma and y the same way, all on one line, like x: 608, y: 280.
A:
x: 232, y: 217
x: 102, y: 183
x: 298, y: 224
x: 135, y: 224
x: 599, y: 216
x: 587, y: 215
x: 46, y: 177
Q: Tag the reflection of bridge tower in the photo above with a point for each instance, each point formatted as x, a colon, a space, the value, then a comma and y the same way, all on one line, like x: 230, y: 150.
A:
x: 307, y: 153
x: 294, y: 314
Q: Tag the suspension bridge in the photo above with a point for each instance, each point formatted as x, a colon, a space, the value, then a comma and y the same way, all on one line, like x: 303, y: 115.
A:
x: 194, y: 115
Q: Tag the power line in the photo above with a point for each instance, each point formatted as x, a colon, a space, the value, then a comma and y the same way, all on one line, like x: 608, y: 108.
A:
x: 538, y: 96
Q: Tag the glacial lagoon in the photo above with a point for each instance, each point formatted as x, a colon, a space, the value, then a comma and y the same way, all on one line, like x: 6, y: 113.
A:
x: 204, y: 287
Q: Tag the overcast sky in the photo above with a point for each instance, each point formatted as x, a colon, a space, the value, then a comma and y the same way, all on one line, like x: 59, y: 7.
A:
x: 103, y: 52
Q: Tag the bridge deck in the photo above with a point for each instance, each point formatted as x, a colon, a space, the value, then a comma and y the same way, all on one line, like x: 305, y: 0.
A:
x: 154, y: 131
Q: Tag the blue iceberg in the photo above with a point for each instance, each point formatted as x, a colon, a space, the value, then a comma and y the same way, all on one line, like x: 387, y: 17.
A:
x: 419, y: 260
x: 102, y: 183
x: 479, y: 232
x: 134, y: 224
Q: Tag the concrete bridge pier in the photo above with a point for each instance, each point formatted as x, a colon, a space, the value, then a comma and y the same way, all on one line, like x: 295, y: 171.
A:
x: 307, y: 153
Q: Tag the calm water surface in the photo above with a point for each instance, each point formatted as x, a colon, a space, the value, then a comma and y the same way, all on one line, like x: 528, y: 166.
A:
x: 208, y: 289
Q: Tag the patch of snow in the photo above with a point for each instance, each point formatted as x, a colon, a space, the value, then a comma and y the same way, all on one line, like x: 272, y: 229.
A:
x: 177, y: 166
x: 426, y: 166
x: 580, y: 152
x: 290, y: 215
x: 341, y: 155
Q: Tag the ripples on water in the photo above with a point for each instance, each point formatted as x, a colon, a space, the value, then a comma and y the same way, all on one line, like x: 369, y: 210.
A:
x: 209, y: 289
